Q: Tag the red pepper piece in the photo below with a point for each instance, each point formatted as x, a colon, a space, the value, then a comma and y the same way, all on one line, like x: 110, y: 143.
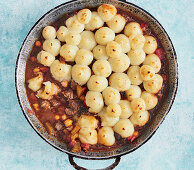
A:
x: 30, y: 111
x: 143, y: 26
x: 33, y: 59
x: 75, y: 13
x: 44, y: 69
x: 85, y: 104
x: 164, y: 77
x: 133, y: 137
x: 72, y: 143
x: 85, y: 147
x: 33, y: 97
x: 159, y: 52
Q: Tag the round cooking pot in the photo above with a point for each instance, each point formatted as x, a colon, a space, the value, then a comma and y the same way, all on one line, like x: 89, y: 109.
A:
x: 162, y: 109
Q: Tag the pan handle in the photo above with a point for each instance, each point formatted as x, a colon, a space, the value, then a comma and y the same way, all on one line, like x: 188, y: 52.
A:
x: 77, y: 167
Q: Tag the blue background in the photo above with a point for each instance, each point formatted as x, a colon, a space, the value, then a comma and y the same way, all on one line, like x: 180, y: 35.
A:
x: 172, y: 147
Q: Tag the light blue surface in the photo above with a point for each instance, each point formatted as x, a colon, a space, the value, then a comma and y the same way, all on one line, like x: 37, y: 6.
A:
x: 172, y: 147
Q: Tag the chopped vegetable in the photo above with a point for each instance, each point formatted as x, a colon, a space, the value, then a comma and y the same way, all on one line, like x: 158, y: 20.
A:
x: 36, y: 70
x: 30, y: 111
x: 68, y: 122
x: 133, y: 137
x: 33, y: 59
x: 38, y: 44
x: 85, y: 147
x: 70, y: 128
x: 57, y: 117
x: 33, y: 97
x: 64, y: 117
x: 36, y: 106
x: 80, y: 90
x: 72, y: 143
x: 76, y: 129
x: 82, y: 98
x: 44, y: 69
x: 73, y: 137
x: 143, y: 26
x: 159, y: 52
x: 50, y: 128
x: 76, y: 147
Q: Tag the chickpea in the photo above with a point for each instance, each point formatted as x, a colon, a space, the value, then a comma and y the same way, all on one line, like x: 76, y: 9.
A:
x: 68, y: 122
x: 36, y: 106
x: 57, y: 117
x: 36, y: 70
x: 64, y: 117
x: 65, y: 83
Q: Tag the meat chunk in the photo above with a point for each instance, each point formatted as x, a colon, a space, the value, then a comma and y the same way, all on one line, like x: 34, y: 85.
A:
x: 73, y: 85
x: 55, y: 103
x: 46, y: 105
x: 58, y: 126
x: 70, y: 111
x: 74, y: 104
x: 68, y: 94
x: 61, y: 110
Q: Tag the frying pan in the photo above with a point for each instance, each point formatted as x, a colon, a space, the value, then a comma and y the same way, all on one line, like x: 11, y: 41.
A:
x: 164, y: 106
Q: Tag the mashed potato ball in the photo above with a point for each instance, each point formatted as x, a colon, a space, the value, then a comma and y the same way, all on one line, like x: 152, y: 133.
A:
x: 132, y: 29
x: 95, y: 22
x: 126, y: 110
x: 154, y: 85
x: 136, y: 56
x: 107, y: 12
x: 119, y: 64
x: 124, y: 127
x: 133, y: 92
x: 81, y: 74
x: 68, y: 52
x: 104, y: 35
x: 153, y: 61
x: 138, y: 105
x: 120, y: 81
x: 150, y: 44
x: 99, y: 52
x: 140, y: 118
x: 49, y: 32
x: 88, y: 135
x: 60, y: 71
x: 113, y: 49
x: 84, y: 16
x: 102, y: 68
x: 73, y: 24
x: 113, y: 110
x: 45, y: 58
x: 72, y: 38
x: 117, y: 23
x: 97, y: 83
x: 52, y: 46
x: 106, y: 136
x: 94, y: 101
x: 134, y: 75
x: 150, y: 100
x: 87, y: 40
x: 111, y: 95
x: 84, y: 57
x: 61, y: 33
x: 123, y: 41
x: 147, y: 72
